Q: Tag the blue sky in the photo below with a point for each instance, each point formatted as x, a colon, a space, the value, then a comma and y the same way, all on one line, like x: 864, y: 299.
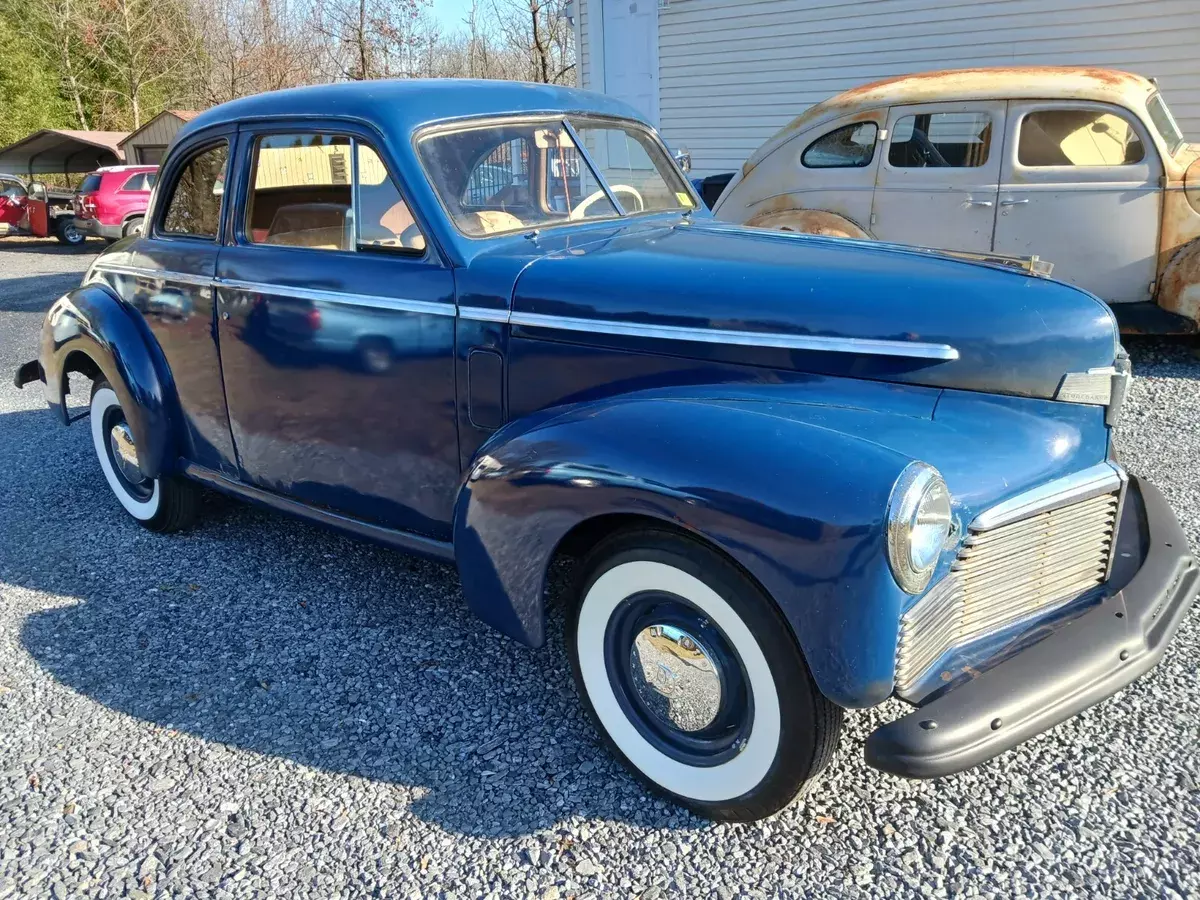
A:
x: 450, y: 13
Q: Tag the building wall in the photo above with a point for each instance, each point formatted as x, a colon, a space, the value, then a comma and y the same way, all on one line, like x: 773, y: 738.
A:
x: 583, y: 49
x: 157, y: 133
x: 732, y: 72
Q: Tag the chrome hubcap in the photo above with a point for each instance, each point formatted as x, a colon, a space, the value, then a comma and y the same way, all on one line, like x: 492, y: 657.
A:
x: 676, y: 677
x: 124, y: 453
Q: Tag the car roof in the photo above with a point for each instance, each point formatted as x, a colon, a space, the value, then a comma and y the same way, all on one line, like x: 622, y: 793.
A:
x: 999, y: 83
x: 404, y: 105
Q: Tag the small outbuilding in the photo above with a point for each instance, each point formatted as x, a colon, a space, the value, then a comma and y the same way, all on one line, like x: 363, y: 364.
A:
x: 147, y: 146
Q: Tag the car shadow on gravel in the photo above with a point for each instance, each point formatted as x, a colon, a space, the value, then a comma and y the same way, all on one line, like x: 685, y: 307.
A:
x: 275, y: 637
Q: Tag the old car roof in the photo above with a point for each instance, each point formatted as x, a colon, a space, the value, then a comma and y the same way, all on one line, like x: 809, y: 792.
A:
x: 405, y: 105
x: 1001, y: 83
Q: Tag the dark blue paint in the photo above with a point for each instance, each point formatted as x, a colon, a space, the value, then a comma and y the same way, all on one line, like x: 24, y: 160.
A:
x: 784, y: 460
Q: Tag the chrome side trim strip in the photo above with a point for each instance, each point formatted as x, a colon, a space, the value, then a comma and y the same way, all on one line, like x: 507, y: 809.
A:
x: 345, y: 299
x: 482, y: 314
x: 162, y: 274
x: 867, y: 346
x: 1101, y: 478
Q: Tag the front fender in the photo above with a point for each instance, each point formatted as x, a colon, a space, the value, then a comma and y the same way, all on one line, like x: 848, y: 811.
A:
x: 93, y: 321
x: 798, y: 505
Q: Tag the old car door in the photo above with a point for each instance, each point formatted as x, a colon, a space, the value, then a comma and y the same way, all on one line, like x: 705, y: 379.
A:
x: 939, y: 176
x: 337, y: 331
x: 1079, y: 187
x: 167, y: 274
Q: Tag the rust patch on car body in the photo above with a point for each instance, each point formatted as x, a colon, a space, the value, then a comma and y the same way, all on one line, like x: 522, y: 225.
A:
x: 1179, y: 287
x: 808, y: 221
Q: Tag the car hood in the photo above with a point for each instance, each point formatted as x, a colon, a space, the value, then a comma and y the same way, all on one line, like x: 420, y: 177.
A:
x: 647, y: 286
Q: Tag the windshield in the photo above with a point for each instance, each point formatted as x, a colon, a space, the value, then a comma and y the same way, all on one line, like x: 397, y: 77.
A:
x: 1164, y: 122
x: 513, y: 175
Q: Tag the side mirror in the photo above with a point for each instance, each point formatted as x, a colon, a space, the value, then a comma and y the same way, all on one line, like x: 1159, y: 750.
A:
x: 37, y: 191
x: 684, y: 159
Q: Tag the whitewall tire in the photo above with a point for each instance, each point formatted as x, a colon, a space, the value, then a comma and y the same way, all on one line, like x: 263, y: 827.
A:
x: 679, y: 659
x: 166, y: 503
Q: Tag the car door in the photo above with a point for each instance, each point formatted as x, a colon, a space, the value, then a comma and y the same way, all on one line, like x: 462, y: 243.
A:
x: 939, y: 177
x: 337, y: 331
x: 1080, y: 187
x: 167, y: 275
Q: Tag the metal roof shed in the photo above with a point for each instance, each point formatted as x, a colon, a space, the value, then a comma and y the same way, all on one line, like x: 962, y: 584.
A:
x: 62, y: 152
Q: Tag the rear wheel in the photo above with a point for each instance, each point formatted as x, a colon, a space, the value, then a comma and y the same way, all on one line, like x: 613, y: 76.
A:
x: 166, y: 503
x: 133, y: 226
x: 693, y: 677
x: 68, y: 232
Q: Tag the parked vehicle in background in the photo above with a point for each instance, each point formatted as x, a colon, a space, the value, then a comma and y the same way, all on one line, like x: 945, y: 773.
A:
x: 111, y: 202
x: 1082, y: 167
x: 33, y: 209
x: 800, y: 475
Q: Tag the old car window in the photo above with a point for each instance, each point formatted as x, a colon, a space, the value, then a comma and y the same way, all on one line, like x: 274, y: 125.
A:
x: 195, y: 205
x: 501, y: 176
x: 14, y: 190
x: 508, y: 176
x: 1164, y: 123
x: 383, y: 218
x: 635, y: 166
x: 1077, y: 137
x: 941, y: 140
x: 300, y: 193
x: 851, y: 146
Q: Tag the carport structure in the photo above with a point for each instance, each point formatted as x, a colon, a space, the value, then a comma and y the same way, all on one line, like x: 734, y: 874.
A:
x: 53, y: 151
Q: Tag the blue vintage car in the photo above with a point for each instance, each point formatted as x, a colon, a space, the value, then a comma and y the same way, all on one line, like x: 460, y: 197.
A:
x: 491, y: 323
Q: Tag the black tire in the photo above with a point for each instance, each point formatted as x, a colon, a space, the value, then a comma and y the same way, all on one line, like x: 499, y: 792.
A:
x: 766, y: 766
x: 67, y: 233
x: 163, y: 504
x: 133, y: 226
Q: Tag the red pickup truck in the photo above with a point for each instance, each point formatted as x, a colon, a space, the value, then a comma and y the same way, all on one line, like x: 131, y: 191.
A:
x: 36, y: 210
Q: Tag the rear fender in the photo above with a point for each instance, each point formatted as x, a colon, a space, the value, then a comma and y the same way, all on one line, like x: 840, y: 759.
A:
x: 91, y: 330
x: 1179, y: 287
x: 798, y: 506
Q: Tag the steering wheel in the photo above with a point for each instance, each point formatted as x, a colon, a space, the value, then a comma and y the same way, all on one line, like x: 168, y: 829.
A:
x: 578, y: 212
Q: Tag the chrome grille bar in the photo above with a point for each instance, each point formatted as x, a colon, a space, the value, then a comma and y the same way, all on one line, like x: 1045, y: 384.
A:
x: 1017, y: 570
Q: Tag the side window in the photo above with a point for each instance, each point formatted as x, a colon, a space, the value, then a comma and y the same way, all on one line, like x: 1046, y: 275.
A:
x: 195, y: 205
x: 136, y: 182
x: 300, y: 193
x: 1078, y: 137
x: 302, y: 196
x: 384, y: 219
x: 851, y: 146
x: 960, y: 140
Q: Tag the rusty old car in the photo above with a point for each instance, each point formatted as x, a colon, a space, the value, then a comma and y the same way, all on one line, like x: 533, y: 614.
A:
x: 489, y: 322
x: 1083, y: 168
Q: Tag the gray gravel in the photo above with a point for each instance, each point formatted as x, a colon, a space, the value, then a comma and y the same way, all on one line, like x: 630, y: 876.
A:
x: 261, y: 708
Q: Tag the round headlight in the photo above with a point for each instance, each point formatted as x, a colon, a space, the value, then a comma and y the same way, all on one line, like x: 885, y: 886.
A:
x: 918, y: 524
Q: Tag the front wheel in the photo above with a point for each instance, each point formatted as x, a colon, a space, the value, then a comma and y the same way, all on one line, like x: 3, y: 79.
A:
x: 68, y: 232
x: 692, y: 675
x: 166, y: 503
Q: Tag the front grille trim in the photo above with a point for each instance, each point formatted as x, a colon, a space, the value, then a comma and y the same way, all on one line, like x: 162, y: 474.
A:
x: 1015, y: 571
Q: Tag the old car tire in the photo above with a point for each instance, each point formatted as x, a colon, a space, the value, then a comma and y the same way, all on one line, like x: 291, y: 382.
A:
x: 737, y: 746
x: 166, y: 503
x: 67, y: 232
x: 133, y: 226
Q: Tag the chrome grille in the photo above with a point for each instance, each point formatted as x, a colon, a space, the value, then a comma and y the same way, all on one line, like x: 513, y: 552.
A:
x: 1009, y: 573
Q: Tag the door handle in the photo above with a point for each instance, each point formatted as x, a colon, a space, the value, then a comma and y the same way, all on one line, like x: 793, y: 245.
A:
x: 1010, y: 201
x: 971, y: 201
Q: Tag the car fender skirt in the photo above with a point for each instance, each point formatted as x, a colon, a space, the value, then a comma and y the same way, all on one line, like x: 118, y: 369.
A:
x: 797, y: 506
x: 119, y: 346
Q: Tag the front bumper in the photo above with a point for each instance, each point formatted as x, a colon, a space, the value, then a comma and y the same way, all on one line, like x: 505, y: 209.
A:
x: 1086, y: 660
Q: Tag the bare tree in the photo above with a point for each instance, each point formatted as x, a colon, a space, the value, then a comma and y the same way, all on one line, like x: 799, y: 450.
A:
x: 538, y: 30
x: 55, y: 26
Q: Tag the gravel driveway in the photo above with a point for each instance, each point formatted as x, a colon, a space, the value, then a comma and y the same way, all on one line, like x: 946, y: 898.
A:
x: 260, y: 708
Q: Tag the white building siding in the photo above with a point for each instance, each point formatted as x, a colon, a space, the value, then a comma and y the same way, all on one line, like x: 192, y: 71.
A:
x: 583, y: 49
x: 732, y: 72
